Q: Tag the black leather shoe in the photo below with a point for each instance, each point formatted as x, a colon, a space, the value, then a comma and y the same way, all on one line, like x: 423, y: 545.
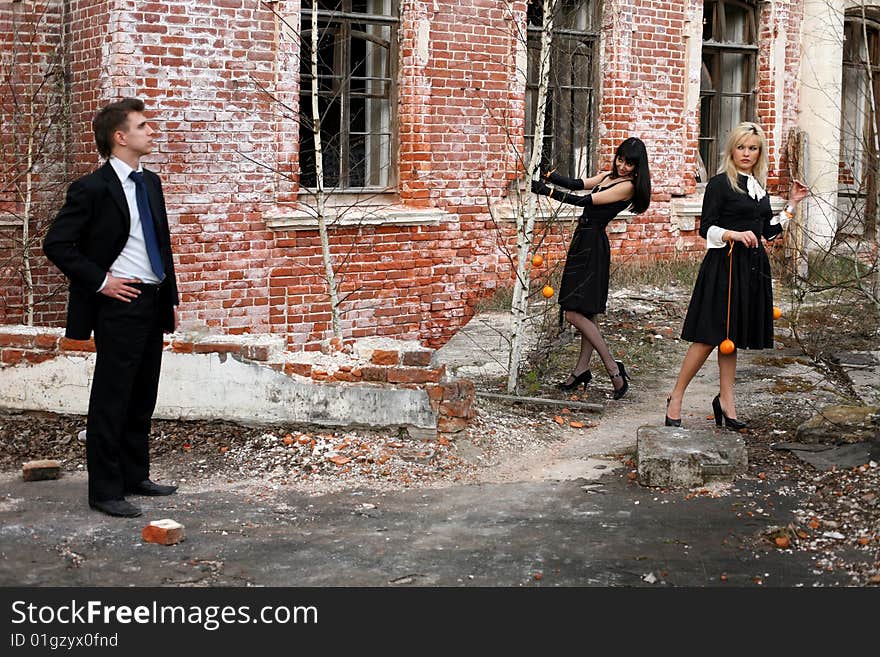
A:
x: 624, y: 377
x: 118, y: 508
x: 151, y: 488
x: 729, y: 422
x: 576, y: 379
x: 671, y: 421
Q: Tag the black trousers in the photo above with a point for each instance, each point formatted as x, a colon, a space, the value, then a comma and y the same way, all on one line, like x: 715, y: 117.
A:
x: 128, y: 342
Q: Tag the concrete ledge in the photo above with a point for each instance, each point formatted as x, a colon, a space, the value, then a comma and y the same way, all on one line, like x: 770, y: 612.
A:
x: 677, y: 457
x: 377, y: 383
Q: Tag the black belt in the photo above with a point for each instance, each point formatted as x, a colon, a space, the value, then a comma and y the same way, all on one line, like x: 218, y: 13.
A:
x: 147, y: 287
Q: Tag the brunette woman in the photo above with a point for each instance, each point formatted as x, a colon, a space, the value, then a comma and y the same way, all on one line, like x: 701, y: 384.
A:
x: 583, y: 293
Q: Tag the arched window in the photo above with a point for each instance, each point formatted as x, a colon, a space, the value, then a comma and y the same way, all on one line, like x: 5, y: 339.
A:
x: 857, y: 184
x: 728, y: 76
x: 568, y: 127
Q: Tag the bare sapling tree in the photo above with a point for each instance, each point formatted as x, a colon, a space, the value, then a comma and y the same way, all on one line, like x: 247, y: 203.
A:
x: 339, y: 182
x: 525, y: 220
x: 320, y: 193
x: 835, y: 282
x: 34, y: 110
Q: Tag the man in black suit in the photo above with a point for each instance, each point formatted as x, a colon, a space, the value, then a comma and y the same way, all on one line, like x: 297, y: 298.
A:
x: 111, y: 239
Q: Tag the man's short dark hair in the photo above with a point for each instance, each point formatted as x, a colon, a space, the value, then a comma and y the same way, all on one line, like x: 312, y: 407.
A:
x: 111, y: 118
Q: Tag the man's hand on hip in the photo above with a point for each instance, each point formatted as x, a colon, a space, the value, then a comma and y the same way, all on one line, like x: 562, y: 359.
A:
x: 120, y: 288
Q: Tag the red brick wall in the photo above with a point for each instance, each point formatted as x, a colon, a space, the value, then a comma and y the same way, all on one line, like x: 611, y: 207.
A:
x: 32, y: 156
x: 782, y: 17
x: 227, y: 152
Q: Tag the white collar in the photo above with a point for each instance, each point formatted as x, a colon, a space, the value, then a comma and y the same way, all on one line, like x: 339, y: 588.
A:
x: 122, y: 169
x: 753, y: 186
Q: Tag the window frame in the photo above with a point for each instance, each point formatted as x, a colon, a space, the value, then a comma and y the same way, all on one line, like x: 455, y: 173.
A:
x: 710, y: 139
x: 342, y: 75
x: 562, y: 35
x: 867, y: 188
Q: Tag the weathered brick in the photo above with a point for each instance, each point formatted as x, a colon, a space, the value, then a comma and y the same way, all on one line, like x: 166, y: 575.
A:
x: 300, y: 369
x: 41, y: 469
x: 66, y: 344
x: 255, y: 351
x: 46, y: 341
x: 451, y: 424
x: 34, y: 357
x: 216, y: 348
x: 384, y: 357
x: 16, y: 340
x: 417, y: 358
x: 461, y: 408
x: 435, y: 393
x: 414, y: 375
x: 163, y: 532
x: 11, y: 356
x: 374, y: 374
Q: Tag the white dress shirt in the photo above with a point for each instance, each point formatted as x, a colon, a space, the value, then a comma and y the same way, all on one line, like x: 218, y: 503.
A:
x: 133, y: 261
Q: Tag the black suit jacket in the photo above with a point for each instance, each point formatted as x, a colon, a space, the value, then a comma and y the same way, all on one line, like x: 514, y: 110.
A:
x: 88, y: 235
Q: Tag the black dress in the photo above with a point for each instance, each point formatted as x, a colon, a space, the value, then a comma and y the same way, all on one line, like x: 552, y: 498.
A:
x: 584, y: 286
x: 751, y: 298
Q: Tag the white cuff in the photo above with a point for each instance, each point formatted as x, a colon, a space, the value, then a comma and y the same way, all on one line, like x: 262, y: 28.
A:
x: 104, y: 284
x: 713, y: 237
x: 781, y: 219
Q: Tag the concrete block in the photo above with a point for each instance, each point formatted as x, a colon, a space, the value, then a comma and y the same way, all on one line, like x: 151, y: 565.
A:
x: 674, y: 456
x: 41, y: 469
x: 163, y: 532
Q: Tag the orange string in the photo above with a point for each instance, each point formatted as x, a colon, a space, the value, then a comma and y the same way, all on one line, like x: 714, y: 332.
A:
x: 729, y: 284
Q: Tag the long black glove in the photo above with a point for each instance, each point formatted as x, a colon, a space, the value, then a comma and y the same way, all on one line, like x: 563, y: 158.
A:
x: 557, y: 194
x: 574, y: 184
x: 540, y: 188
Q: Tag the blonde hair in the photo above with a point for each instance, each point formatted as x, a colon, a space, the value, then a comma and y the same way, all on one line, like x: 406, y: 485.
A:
x: 737, y: 136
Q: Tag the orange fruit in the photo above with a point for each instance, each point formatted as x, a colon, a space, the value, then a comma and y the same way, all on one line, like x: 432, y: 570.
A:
x: 726, y: 347
x: 777, y: 312
x: 537, y: 260
x: 547, y: 291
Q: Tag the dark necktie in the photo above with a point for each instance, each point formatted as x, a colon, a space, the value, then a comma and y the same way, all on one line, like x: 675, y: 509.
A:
x: 147, y: 225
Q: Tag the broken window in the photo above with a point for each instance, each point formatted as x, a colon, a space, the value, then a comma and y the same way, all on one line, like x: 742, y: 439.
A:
x: 857, y: 188
x: 728, y: 74
x: 357, y: 51
x: 569, y: 122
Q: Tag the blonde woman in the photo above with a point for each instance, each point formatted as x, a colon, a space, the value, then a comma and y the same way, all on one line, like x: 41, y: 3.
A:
x: 736, y: 215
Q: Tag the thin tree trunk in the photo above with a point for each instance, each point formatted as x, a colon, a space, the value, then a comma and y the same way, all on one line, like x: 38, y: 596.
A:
x: 525, y: 221
x: 25, y: 229
x: 321, y: 196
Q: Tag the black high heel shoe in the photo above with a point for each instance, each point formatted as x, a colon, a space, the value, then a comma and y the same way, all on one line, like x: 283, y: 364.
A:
x: 669, y: 422
x: 730, y: 423
x: 584, y: 377
x: 621, y: 372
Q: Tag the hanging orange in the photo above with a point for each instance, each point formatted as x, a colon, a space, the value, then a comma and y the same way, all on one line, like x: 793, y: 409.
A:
x: 537, y: 260
x: 726, y: 347
x: 547, y: 291
x: 777, y: 312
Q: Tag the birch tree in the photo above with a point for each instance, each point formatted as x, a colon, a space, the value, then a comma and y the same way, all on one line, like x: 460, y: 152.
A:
x: 320, y: 194
x: 525, y: 220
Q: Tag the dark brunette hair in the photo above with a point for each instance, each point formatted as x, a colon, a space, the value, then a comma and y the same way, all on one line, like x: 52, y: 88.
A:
x: 111, y: 118
x: 633, y: 152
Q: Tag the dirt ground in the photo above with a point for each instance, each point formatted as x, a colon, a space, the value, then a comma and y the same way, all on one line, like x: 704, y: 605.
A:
x: 838, y: 523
